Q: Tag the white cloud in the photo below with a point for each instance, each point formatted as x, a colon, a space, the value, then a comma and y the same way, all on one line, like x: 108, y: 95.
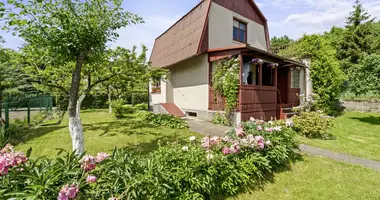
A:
x: 324, y: 14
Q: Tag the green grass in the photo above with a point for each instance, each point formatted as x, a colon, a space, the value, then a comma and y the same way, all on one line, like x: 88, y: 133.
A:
x: 320, y: 178
x: 356, y: 134
x: 102, y: 133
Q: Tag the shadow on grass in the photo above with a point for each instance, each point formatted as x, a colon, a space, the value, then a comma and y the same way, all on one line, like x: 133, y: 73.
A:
x: 37, y: 132
x: 370, y: 120
x: 130, y: 127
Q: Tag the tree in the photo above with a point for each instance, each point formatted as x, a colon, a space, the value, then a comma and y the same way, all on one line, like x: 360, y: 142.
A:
x: 68, y: 33
x: 358, y: 39
x: 282, y: 42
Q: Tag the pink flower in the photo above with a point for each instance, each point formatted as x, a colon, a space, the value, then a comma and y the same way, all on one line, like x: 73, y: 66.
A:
x: 269, y: 129
x: 259, y: 139
x: 7, y: 149
x: 235, y: 148
x: 252, y: 119
x: 226, y: 150
x: 68, y: 192
x: 240, y: 132
x: 91, y: 179
x: 260, y: 146
x: 112, y: 198
x: 259, y: 128
x: 88, y: 163
x: 226, y: 139
x: 101, y: 156
x: 289, y: 122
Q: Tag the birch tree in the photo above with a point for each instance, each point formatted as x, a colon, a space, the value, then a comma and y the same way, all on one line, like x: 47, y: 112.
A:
x: 69, y: 33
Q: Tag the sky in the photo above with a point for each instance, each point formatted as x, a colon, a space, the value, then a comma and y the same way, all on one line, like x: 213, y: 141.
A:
x: 285, y: 17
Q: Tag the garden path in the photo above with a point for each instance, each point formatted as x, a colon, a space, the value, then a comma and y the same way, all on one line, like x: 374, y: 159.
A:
x: 207, y: 128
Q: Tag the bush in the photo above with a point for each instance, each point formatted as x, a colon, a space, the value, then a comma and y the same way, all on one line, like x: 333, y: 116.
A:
x: 165, y: 120
x: 120, y: 110
x: 16, y: 131
x: 220, y: 118
x: 215, y: 168
x: 141, y: 106
x: 313, y: 125
x: 138, y: 98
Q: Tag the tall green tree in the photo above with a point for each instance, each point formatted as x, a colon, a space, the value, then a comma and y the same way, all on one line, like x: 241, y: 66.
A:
x: 282, y: 42
x: 68, y: 33
x: 359, y: 38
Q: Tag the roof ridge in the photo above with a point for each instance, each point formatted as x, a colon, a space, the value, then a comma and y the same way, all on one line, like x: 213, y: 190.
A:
x: 182, y: 18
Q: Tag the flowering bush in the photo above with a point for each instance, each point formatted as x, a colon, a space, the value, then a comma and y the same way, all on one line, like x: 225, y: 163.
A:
x: 211, y: 168
x: 313, y: 125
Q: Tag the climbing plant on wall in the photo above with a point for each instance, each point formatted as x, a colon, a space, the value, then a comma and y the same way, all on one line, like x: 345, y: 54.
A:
x: 225, y: 79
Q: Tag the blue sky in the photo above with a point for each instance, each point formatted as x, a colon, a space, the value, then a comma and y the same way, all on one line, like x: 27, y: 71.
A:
x: 285, y: 17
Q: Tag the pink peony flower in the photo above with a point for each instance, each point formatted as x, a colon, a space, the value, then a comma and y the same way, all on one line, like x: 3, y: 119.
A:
x: 68, y: 192
x: 235, y: 148
x: 260, y: 146
x: 252, y: 119
x: 226, y: 139
x: 101, y: 156
x: 259, y: 139
x: 91, y: 179
x: 226, y: 150
x: 240, y: 132
x: 269, y: 129
x: 88, y: 163
x: 259, y: 128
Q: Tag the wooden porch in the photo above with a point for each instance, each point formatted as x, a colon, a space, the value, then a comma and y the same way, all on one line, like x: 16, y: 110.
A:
x: 266, y: 89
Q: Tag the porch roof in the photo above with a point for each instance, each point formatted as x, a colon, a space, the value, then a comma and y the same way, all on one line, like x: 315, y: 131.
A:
x: 259, y: 52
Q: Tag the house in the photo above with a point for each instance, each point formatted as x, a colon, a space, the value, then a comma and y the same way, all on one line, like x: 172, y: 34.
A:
x: 214, y: 30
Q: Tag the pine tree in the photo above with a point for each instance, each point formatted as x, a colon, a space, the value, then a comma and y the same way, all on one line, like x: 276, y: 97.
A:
x: 358, y: 39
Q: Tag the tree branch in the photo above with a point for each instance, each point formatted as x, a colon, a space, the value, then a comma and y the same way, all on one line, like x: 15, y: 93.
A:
x: 51, y: 85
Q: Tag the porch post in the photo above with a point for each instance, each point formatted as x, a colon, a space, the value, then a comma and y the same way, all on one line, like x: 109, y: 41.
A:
x: 240, y: 102
x: 260, y: 74
x: 275, y: 77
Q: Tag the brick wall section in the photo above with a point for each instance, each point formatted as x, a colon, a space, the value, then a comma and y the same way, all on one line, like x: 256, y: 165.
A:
x: 362, y: 106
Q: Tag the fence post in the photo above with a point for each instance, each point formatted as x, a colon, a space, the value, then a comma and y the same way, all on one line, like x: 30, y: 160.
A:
x: 6, y: 115
x: 28, y: 111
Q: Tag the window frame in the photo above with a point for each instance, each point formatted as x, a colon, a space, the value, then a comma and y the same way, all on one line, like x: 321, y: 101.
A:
x: 156, y: 86
x: 240, y: 22
x: 293, y: 82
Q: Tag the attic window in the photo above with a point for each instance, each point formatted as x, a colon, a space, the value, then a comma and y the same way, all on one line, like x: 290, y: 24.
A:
x: 240, y: 31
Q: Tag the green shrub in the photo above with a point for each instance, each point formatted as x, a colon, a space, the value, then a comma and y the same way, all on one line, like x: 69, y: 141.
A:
x: 138, y: 98
x: 313, y: 125
x: 16, y: 131
x: 141, y: 106
x: 214, y: 168
x: 165, y: 120
x: 120, y: 110
x: 220, y: 118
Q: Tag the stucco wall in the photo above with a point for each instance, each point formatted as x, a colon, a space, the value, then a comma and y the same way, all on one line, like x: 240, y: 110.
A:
x: 221, y: 28
x: 302, y: 81
x: 189, y: 81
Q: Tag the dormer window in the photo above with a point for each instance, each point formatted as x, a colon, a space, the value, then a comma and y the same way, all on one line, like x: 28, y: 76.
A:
x: 240, y: 31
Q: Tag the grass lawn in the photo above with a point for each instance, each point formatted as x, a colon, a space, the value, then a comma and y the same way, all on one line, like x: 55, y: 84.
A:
x: 321, y: 178
x: 102, y: 133
x: 357, y: 134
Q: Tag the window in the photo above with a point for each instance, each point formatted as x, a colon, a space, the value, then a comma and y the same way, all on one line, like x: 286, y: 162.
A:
x: 240, y: 31
x: 156, y: 85
x: 295, y: 78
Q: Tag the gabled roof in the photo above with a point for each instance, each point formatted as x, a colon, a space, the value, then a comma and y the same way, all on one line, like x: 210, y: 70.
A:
x: 181, y: 41
x: 184, y: 39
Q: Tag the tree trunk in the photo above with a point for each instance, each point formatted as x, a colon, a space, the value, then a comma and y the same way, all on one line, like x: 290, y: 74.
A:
x: 79, y: 103
x: 75, y: 124
x: 109, y: 99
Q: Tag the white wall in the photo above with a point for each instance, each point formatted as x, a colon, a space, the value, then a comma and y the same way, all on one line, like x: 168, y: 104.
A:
x: 189, y: 80
x: 221, y: 29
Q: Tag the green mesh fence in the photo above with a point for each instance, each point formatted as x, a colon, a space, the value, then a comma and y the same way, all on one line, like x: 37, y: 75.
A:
x: 24, y: 109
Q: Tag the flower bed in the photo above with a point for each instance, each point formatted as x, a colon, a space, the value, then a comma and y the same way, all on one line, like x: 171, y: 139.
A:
x: 210, y: 168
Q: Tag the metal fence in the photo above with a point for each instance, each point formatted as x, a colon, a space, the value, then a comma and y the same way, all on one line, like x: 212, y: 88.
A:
x: 24, y: 109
